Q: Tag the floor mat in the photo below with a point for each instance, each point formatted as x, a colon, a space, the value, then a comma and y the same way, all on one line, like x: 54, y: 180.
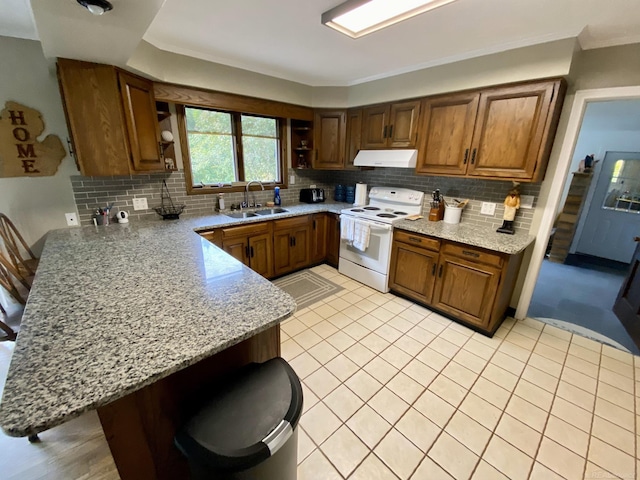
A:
x: 307, y: 287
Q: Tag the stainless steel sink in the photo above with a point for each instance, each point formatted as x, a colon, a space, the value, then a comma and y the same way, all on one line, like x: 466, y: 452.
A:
x: 271, y: 211
x: 241, y: 215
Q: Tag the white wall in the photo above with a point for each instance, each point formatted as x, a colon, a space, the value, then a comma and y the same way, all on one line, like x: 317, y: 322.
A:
x: 36, y: 205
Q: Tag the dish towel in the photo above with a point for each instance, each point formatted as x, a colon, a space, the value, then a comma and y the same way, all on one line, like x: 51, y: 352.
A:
x: 347, y: 228
x: 361, y: 234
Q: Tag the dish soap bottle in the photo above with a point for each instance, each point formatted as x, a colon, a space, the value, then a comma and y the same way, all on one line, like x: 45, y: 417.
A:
x: 276, y: 197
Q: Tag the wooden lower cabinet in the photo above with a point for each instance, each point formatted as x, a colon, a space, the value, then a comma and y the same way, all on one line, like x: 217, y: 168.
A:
x: 252, y: 245
x: 318, y: 237
x: 291, y: 245
x: 467, y: 283
x: 333, y: 239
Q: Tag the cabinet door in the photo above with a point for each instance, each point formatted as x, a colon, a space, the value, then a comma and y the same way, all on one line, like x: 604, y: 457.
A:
x: 413, y: 271
x: 94, y: 117
x: 142, y: 122
x: 282, y: 243
x: 446, y: 133
x: 375, y: 122
x: 354, y: 135
x: 333, y: 239
x: 237, y: 247
x: 301, y: 251
x: 509, y: 131
x: 402, y: 131
x: 329, y: 130
x: 318, y: 237
x: 260, y: 254
x: 466, y: 289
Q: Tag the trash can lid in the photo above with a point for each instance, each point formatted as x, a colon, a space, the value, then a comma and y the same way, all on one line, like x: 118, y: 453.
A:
x: 249, y: 418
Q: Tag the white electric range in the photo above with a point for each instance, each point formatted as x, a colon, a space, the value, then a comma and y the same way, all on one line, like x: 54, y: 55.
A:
x: 386, y: 206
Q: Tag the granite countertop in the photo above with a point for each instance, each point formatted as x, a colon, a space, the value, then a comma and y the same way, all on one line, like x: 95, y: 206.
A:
x: 470, y: 234
x: 116, y: 308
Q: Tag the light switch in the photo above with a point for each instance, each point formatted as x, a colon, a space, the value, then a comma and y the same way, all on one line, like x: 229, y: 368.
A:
x: 140, y: 204
x: 526, y: 201
x: 488, y: 208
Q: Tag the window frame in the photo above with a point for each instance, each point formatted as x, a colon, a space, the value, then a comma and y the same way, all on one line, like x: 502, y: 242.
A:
x: 236, y: 127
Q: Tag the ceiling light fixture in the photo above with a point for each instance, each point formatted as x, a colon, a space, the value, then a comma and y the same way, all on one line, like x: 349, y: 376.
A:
x: 356, y: 18
x: 97, y: 7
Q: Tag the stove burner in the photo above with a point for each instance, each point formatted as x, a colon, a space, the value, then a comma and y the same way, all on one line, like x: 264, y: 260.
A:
x: 356, y: 210
x: 386, y: 215
x: 371, y: 208
x: 401, y: 213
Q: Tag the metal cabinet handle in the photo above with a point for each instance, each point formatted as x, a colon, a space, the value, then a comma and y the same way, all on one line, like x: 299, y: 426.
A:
x: 473, y: 156
x: 251, y: 252
x: 314, y: 224
x: 466, y: 156
x: 291, y: 241
x: 384, y: 133
x: 470, y: 254
x: 440, y: 271
x: 433, y: 270
x: 390, y: 131
x: 415, y: 240
x: 246, y: 251
x: 294, y: 241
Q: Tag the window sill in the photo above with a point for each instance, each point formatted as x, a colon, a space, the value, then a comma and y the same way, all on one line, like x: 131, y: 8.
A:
x: 194, y: 190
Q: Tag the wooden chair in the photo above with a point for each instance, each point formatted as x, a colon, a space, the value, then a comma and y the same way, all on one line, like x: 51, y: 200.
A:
x: 7, y: 274
x: 22, y: 259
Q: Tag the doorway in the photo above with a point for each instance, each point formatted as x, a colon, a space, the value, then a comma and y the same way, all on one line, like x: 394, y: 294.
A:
x: 569, y: 286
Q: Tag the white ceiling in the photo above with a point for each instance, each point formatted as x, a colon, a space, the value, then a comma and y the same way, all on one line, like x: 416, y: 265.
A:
x: 285, y: 39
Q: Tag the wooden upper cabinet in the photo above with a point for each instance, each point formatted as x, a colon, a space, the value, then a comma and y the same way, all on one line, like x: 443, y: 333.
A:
x: 329, y: 132
x: 447, y: 131
x: 112, y: 119
x: 354, y: 136
x: 141, y: 118
x: 390, y: 125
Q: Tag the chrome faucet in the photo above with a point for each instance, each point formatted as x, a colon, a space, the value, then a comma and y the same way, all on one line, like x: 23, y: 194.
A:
x: 246, y: 194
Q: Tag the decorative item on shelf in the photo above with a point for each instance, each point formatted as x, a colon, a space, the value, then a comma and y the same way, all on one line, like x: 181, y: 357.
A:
x: 511, y: 206
x: 168, y: 211
x: 350, y: 194
x: 304, y: 144
x: 302, y: 161
x: 169, y: 163
x: 338, y: 194
x: 436, y: 212
x: 167, y: 136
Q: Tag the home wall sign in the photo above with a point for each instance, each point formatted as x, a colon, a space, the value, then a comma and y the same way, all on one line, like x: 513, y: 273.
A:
x: 21, y: 153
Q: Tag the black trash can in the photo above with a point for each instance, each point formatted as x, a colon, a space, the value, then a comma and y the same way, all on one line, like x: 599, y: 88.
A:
x: 248, y: 429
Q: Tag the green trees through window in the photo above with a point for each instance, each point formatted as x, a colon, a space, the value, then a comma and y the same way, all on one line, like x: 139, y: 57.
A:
x: 216, y: 155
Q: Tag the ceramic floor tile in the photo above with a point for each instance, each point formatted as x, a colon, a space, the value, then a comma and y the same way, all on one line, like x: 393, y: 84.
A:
x: 293, y: 327
x: 368, y: 426
x: 382, y: 315
x: 468, y: 432
x: 356, y: 331
x: 417, y: 428
x: 481, y: 411
x: 434, y: 408
x: 341, y: 341
x: 363, y: 385
x: 370, y: 322
x: 326, y: 311
x: 614, y: 435
x: 619, y: 355
x: 353, y: 312
x: 339, y: 304
x: 375, y: 343
x: 546, y: 365
x: 289, y: 350
x: 616, y: 396
x: 560, y: 460
x: 309, y: 318
x: 342, y: 367
x: 491, y: 392
x: 340, y: 320
x: 428, y: 469
x: 317, y: 467
x: 534, y: 394
x: 324, y: 329
x: 576, y: 396
x: 343, y: 402
x: 448, y: 390
x: 519, y: 435
x: 615, y: 414
x: 388, y: 405
x: 396, y: 357
x: 409, y: 345
x: 508, y: 363
x: 444, y: 347
x: 459, y: 374
x: 304, y: 364
x: 431, y: 326
x: 567, y: 435
x: 411, y: 316
x: 515, y: 351
x: 359, y: 354
x: 520, y: 340
x: 527, y: 413
x: 571, y: 413
x: 540, y: 472
x: 373, y: 469
x: 550, y: 341
x: 405, y: 387
x: 550, y: 352
x: 557, y: 333
x: 322, y: 382
x: 587, y: 343
x: 454, y: 337
x: 381, y: 370
x: 540, y: 378
x: 399, y: 454
x: 507, y: 459
x: 305, y: 445
x: 310, y: 398
x: 584, y: 353
x: 453, y: 457
x: 397, y: 305
x: 611, y: 459
x: 344, y: 450
x: 617, y: 366
x: 366, y: 305
x: 323, y: 352
x: 319, y: 423
x: 365, y: 292
x: 470, y: 361
x: 420, y: 372
x: 433, y: 359
x: 421, y: 335
x: 400, y: 324
x: 582, y: 366
x: 616, y: 380
x: 501, y: 377
x: 526, y: 331
x: 594, y: 471
x: 484, y: 471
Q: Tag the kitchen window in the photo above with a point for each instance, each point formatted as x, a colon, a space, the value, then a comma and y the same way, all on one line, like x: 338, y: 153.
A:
x: 226, y: 147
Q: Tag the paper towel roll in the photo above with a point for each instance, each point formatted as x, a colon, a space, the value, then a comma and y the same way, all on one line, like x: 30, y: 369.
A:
x: 361, y: 194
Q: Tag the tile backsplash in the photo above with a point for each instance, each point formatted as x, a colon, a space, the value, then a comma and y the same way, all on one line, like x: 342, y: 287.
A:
x: 93, y: 192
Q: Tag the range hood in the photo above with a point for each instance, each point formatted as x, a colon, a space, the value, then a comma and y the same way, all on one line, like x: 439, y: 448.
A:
x: 386, y: 158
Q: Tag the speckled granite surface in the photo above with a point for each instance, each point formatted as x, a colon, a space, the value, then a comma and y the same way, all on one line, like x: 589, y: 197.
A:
x: 470, y: 234
x: 116, y: 308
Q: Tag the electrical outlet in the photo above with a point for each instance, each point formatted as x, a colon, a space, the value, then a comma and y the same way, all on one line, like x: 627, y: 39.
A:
x: 526, y: 201
x: 292, y: 179
x: 140, y: 204
x: 72, y: 219
x: 488, y: 208
x: 312, y: 186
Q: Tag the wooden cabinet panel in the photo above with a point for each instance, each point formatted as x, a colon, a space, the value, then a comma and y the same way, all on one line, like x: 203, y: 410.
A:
x: 333, y: 239
x: 142, y: 122
x: 413, y: 271
x: 318, y: 237
x: 354, y: 135
x: 252, y: 245
x: 261, y: 254
x: 374, y: 126
x: 300, y: 256
x: 237, y: 248
x: 291, y: 246
x: 447, y: 131
x: 466, y: 289
x: 329, y: 131
x: 403, y: 124
x: 281, y: 252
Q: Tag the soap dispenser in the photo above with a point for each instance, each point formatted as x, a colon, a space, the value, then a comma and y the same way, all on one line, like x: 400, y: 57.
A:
x: 276, y: 197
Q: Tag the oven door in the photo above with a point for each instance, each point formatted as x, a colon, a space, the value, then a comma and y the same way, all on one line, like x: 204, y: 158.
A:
x: 377, y: 256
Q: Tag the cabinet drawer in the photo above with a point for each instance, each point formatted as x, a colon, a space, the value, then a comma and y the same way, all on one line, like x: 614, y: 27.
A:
x: 254, y: 228
x: 291, y: 222
x: 417, y: 240
x: 473, y: 254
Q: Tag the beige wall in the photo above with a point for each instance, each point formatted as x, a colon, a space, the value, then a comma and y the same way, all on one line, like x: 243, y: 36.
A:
x: 36, y: 205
